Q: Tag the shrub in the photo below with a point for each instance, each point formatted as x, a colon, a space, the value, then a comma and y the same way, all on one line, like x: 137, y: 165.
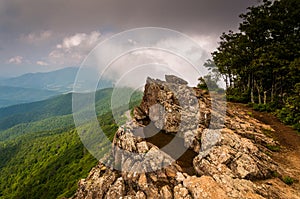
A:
x: 264, y: 107
x: 235, y: 95
x: 273, y: 148
x: 288, y: 180
x: 290, y: 113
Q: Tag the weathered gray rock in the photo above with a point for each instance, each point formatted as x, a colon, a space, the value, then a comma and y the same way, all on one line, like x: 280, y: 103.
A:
x: 170, y: 106
x: 210, y: 137
x: 142, y: 147
x: 175, y: 80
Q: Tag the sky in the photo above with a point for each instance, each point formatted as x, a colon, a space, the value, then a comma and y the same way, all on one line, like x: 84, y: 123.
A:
x: 37, y: 36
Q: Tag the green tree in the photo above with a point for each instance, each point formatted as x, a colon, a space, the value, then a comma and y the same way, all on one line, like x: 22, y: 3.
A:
x: 260, y: 63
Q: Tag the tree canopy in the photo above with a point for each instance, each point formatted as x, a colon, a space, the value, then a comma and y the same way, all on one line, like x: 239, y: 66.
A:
x: 260, y: 63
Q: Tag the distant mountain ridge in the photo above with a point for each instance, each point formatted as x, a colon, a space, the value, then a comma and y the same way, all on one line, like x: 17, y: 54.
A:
x: 59, y: 80
x: 32, y: 87
x: 16, y: 95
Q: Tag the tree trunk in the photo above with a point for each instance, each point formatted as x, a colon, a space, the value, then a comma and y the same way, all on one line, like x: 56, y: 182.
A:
x: 226, y: 81
x: 252, y: 90
x: 258, y: 92
x: 273, y: 88
x: 272, y: 93
x: 249, y: 81
x: 281, y: 89
x: 259, y: 97
x: 265, y: 97
x: 252, y: 96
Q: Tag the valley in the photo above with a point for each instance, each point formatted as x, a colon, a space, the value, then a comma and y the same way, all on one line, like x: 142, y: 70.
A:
x: 41, y: 154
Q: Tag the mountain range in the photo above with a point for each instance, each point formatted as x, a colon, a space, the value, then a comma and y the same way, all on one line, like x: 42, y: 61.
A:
x: 10, y: 95
x: 33, y: 87
x: 41, y: 154
x: 59, y: 80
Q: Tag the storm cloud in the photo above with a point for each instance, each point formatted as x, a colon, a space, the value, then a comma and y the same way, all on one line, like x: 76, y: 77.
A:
x: 211, y: 16
x: 55, y: 20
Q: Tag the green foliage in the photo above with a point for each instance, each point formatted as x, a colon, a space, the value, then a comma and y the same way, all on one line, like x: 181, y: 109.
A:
x: 56, y: 106
x: 288, y: 180
x: 210, y: 81
x: 268, y: 133
x: 250, y: 113
x: 46, y: 158
x: 275, y: 174
x: 260, y: 63
x: 273, y: 148
x: 235, y: 95
x: 202, y: 85
x: 290, y: 113
x: 25, y: 113
x: 43, y: 166
x: 47, y: 164
x: 49, y: 124
x: 207, y: 83
x: 264, y: 107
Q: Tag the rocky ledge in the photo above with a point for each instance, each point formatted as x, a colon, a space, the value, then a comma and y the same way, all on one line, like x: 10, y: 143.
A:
x: 182, y: 144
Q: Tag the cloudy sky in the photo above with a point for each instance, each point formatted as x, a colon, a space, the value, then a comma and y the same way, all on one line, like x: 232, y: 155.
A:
x: 52, y: 34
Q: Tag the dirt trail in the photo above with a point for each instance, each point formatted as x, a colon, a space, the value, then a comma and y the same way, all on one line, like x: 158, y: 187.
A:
x: 289, y: 154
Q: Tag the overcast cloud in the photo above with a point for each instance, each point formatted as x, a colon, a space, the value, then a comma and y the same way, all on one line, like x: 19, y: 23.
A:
x: 52, y: 34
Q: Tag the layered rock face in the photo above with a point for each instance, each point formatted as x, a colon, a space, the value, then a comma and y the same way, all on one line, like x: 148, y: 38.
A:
x: 182, y: 144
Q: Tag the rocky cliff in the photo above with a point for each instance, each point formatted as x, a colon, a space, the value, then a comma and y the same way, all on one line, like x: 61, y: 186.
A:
x: 183, y: 143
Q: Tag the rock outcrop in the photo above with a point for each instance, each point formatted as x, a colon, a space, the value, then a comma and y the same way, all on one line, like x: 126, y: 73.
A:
x: 182, y: 145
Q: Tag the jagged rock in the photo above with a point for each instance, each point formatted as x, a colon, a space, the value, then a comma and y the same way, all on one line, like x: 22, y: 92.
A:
x: 138, y: 113
x: 180, y: 177
x: 210, y: 137
x: 244, y: 166
x: 97, y: 185
x: 116, y: 190
x: 170, y: 172
x: 152, y: 192
x: 226, y: 154
x: 171, y: 107
x: 239, y: 155
x: 166, y: 193
x: 143, y: 181
x: 140, y: 195
x: 175, y: 80
x: 142, y: 147
x: 181, y: 192
x: 204, y: 187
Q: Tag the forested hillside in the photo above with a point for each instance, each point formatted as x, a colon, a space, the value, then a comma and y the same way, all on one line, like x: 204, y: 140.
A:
x: 10, y: 95
x: 41, y: 154
x: 261, y: 62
